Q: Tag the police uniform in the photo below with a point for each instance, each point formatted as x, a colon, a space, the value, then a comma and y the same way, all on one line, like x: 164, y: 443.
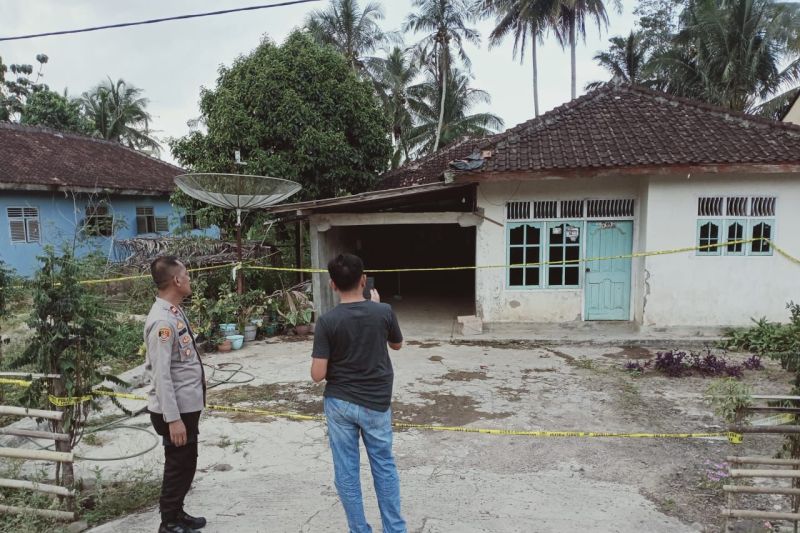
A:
x: 178, y: 391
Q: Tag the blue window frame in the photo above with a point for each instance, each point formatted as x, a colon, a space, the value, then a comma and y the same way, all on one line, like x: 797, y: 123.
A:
x: 761, y: 229
x: 524, y: 247
x: 708, y: 237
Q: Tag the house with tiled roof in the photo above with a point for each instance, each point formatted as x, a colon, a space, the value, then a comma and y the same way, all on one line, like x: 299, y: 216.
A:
x: 60, y: 187
x: 625, y: 204
x: 793, y: 114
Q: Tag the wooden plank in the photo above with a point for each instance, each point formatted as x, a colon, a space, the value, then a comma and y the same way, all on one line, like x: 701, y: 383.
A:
x: 39, y: 487
x: 762, y: 461
x: 43, y: 455
x: 47, y: 513
x: 767, y: 409
x: 764, y: 515
x: 752, y: 472
x: 10, y: 410
x: 781, y: 430
x: 34, y: 434
x: 742, y: 489
x: 774, y: 397
x: 29, y: 375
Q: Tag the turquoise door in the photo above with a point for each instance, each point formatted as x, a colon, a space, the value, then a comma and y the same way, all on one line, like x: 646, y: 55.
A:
x: 608, y: 281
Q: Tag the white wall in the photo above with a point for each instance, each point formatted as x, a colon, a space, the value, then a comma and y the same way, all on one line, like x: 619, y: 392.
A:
x: 687, y: 289
x: 496, y: 302
x: 794, y: 113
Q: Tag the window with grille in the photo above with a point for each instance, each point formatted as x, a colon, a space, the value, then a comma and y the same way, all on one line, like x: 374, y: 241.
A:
x: 518, y: 211
x: 23, y: 224
x: 544, y: 254
x: 612, y: 208
x: 98, y: 222
x: 740, y: 225
x: 192, y: 221
x: 147, y: 222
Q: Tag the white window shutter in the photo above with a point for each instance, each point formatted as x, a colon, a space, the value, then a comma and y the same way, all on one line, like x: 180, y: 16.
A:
x: 162, y: 224
x: 17, y: 230
x: 33, y: 229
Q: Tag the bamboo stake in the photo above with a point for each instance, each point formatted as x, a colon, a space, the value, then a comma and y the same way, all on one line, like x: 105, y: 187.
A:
x: 36, y: 413
x: 29, y: 375
x: 762, y: 461
x: 47, y: 513
x: 751, y: 472
x: 39, y: 487
x: 40, y: 455
x: 765, y: 515
x: 34, y: 434
x: 741, y: 489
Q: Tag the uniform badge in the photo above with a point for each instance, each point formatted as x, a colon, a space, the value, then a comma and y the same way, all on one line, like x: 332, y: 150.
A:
x: 187, y: 353
x: 173, y: 309
x: 186, y: 339
x: 164, y: 334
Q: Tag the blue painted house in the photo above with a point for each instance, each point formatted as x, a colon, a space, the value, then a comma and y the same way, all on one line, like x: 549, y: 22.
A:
x: 59, y: 187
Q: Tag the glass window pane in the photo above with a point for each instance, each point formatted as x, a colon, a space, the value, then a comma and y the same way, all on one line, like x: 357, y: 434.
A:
x: 556, y: 253
x: 532, y: 254
x: 515, y: 277
x: 534, y: 235
x: 571, y: 276
x: 573, y: 253
x: 516, y: 255
x: 557, y: 234
x: 555, y: 276
x: 517, y: 235
x: 532, y: 277
x: 735, y: 233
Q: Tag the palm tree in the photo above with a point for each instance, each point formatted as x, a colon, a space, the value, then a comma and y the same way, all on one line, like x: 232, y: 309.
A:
x: 117, y: 112
x: 526, y: 20
x: 626, y: 60
x: 445, y: 24
x: 393, y: 78
x: 354, y: 32
x: 571, y: 22
x: 434, y: 127
x: 732, y: 54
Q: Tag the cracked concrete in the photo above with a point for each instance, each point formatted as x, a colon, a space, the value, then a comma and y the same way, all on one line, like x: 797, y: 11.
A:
x: 281, y: 476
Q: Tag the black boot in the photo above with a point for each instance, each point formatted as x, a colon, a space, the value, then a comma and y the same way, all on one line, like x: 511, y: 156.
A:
x: 191, y: 521
x: 175, y: 527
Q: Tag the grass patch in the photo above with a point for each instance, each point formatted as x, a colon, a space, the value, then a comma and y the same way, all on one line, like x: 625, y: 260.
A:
x: 98, y: 502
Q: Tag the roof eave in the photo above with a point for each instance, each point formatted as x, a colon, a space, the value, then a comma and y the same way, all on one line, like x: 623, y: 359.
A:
x: 643, y: 170
x: 35, y: 187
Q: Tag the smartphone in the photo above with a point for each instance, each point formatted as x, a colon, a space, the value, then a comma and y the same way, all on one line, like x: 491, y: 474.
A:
x: 368, y: 288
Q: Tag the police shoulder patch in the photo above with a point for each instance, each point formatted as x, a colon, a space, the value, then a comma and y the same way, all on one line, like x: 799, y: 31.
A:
x: 164, y: 334
x: 173, y: 309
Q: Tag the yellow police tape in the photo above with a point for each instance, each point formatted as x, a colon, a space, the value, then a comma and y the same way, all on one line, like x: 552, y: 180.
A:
x: 249, y: 266
x: 733, y: 438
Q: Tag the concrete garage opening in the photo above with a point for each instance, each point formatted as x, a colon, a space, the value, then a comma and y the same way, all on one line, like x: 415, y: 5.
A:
x: 426, y: 302
x: 422, y: 299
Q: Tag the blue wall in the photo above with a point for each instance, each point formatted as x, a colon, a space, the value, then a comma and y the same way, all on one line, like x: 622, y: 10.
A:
x: 61, y: 216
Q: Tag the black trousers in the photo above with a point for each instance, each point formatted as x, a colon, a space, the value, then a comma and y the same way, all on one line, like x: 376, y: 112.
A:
x: 180, y: 464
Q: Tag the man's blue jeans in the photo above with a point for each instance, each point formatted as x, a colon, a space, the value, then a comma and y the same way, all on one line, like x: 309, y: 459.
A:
x: 346, y: 421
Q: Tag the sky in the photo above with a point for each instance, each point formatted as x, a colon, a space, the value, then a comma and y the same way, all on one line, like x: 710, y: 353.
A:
x: 171, y: 61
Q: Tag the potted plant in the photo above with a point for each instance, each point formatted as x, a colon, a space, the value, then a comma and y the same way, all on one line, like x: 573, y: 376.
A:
x: 250, y: 306
x: 303, y: 324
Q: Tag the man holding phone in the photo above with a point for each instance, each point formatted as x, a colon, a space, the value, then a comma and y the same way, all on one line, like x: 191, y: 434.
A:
x: 350, y: 353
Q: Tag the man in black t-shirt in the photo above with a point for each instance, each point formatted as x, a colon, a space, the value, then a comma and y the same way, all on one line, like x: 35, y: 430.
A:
x: 350, y: 353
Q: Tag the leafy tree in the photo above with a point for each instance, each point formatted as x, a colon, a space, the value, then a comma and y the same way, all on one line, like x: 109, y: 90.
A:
x: 18, y: 86
x: 657, y: 23
x: 118, y: 112
x: 733, y: 54
x: 394, y: 78
x: 50, y: 109
x: 354, y: 32
x: 526, y: 21
x: 626, y: 60
x: 457, y: 122
x: 296, y: 111
x: 446, y: 27
x: 571, y: 23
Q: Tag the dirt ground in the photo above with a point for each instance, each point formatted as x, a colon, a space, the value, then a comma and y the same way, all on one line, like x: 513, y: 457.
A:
x: 262, y: 474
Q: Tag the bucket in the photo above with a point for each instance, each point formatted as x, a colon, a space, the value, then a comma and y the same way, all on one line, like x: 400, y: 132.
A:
x: 250, y: 332
x: 236, y: 341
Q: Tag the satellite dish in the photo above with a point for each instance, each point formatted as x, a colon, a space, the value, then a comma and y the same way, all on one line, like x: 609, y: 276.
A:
x: 241, y: 192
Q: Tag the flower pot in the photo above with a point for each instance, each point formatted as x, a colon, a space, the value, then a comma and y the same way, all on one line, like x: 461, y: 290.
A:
x: 225, y: 346
x: 302, y: 329
x: 236, y: 341
x: 250, y: 332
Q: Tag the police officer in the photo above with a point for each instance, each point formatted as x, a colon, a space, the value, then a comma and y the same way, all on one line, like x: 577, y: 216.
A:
x: 177, y: 395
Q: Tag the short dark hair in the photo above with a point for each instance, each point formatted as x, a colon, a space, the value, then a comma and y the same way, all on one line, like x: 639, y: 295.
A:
x: 163, y: 270
x: 346, y: 271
